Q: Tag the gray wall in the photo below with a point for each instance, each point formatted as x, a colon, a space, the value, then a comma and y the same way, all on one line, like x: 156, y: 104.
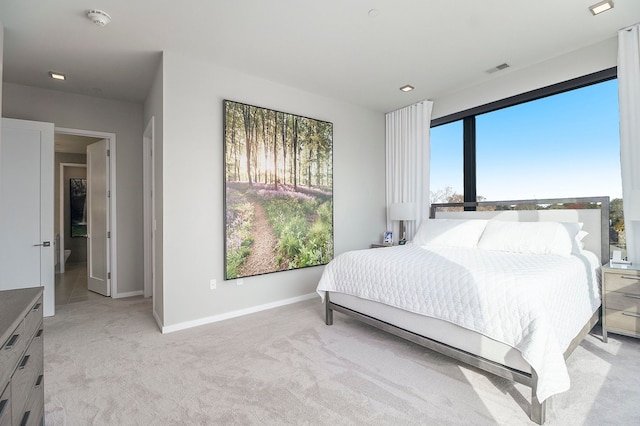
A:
x: 103, y: 115
x: 192, y: 147
x: 1, y: 64
x: 1, y: 71
x: 153, y: 107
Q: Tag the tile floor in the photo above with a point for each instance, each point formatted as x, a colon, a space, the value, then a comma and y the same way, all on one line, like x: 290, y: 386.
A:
x: 72, y: 285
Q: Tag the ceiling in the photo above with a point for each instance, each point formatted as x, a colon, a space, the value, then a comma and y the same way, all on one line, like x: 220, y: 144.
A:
x: 334, y: 47
x: 72, y: 144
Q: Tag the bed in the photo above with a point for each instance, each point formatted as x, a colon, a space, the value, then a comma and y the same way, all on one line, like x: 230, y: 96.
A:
x: 509, y: 291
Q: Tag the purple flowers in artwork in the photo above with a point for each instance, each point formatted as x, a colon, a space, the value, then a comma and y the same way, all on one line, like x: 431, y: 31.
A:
x: 301, y: 221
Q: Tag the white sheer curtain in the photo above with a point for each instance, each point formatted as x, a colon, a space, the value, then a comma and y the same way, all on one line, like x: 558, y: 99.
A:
x: 408, y: 155
x: 629, y: 100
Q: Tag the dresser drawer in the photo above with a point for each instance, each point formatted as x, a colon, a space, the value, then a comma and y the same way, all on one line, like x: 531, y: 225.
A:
x: 626, y: 283
x: 34, y: 410
x: 21, y: 357
x: 10, y: 352
x: 25, y: 378
x: 623, y: 302
x: 5, y: 407
x: 623, y: 321
x: 33, y: 319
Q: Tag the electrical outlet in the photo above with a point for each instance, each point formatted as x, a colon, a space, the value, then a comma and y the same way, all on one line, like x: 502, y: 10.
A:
x: 239, y: 281
x: 212, y: 284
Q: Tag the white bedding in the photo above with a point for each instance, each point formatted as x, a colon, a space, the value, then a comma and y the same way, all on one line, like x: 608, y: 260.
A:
x: 534, y: 303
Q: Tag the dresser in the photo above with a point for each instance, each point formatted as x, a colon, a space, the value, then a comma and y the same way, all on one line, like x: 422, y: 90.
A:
x: 620, y: 301
x: 21, y: 357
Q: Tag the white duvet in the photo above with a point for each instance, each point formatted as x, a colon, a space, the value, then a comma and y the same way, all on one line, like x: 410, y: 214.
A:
x: 534, y: 303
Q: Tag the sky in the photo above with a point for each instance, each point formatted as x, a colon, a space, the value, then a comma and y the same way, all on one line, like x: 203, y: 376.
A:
x: 566, y: 145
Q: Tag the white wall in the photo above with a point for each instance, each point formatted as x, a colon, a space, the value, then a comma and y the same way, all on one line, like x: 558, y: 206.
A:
x: 507, y: 83
x: 89, y: 113
x: 193, y: 182
x: 153, y: 107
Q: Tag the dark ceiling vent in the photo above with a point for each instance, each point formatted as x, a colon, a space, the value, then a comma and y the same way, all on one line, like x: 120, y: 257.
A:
x: 498, y: 68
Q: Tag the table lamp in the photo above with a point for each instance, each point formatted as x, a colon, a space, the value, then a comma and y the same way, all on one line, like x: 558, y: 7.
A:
x: 402, y: 212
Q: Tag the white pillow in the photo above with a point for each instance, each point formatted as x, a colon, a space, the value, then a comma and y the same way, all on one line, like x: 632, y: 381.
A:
x: 449, y: 232
x: 530, y: 237
x: 579, y: 244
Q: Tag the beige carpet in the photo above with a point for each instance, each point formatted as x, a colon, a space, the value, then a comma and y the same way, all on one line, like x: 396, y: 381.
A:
x: 107, y: 364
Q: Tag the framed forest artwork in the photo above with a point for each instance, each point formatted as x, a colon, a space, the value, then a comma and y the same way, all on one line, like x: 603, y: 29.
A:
x: 278, y: 191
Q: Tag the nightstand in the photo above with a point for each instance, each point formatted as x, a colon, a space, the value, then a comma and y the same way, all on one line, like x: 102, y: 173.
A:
x: 620, y: 301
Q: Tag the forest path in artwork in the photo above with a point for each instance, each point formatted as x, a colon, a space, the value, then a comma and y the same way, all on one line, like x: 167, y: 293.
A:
x: 262, y: 258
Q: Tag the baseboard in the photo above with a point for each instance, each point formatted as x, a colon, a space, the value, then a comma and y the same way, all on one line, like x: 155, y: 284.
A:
x: 129, y: 294
x: 228, y: 315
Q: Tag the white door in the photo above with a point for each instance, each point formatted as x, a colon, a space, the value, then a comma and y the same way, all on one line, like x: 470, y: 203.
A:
x: 26, y: 208
x: 98, y: 275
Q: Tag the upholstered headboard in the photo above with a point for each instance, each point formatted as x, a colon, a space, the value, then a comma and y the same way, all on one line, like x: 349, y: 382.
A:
x: 593, y: 212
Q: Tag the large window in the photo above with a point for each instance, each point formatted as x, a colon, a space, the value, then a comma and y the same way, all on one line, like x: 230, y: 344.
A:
x: 558, y: 142
x: 446, y: 177
x: 567, y: 145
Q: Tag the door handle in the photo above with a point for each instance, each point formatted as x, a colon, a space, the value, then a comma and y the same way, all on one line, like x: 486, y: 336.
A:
x: 44, y: 244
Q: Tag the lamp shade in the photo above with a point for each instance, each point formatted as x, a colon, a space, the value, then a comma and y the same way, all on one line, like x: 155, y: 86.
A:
x: 402, y: 211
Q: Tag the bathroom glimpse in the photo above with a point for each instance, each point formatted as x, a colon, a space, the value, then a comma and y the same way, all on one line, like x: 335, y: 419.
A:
x: 78, y: 204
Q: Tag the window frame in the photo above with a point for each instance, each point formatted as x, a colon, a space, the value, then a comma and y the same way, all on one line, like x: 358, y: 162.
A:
x: 468, y: 118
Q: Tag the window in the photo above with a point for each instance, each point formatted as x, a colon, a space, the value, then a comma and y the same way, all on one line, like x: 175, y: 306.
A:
x: 446, y: 175
x: 559, y: 141
x: 567, y: 145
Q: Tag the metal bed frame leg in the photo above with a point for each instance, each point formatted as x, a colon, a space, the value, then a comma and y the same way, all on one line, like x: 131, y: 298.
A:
x: 538, y: 409
x: 328, y: 312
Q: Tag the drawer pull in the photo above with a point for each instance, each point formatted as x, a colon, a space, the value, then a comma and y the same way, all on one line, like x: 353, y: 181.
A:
x: 24, y: 362
x: 39, y: 381
x: 36, y: 307
x: 3, y: 405
x: 25, y: 418
x: 633, y: 296
x: 11, y: 343
x: 39, y: 334
x: 631, y: 314
x: 626, y: 277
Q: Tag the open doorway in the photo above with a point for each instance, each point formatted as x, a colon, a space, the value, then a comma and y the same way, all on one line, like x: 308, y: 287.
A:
x: 70, y: 226
x: 78, y: 263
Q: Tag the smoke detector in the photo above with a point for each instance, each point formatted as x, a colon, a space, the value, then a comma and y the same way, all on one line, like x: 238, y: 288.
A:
x: 99, y: 17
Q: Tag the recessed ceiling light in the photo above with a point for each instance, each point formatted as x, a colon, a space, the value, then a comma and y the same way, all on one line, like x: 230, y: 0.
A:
x: 603, y: 6
x: 57, y: 75
x: 407, y: 88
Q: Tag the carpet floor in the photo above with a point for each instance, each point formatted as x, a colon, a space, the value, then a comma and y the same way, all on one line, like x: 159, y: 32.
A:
x: 106, y: 363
